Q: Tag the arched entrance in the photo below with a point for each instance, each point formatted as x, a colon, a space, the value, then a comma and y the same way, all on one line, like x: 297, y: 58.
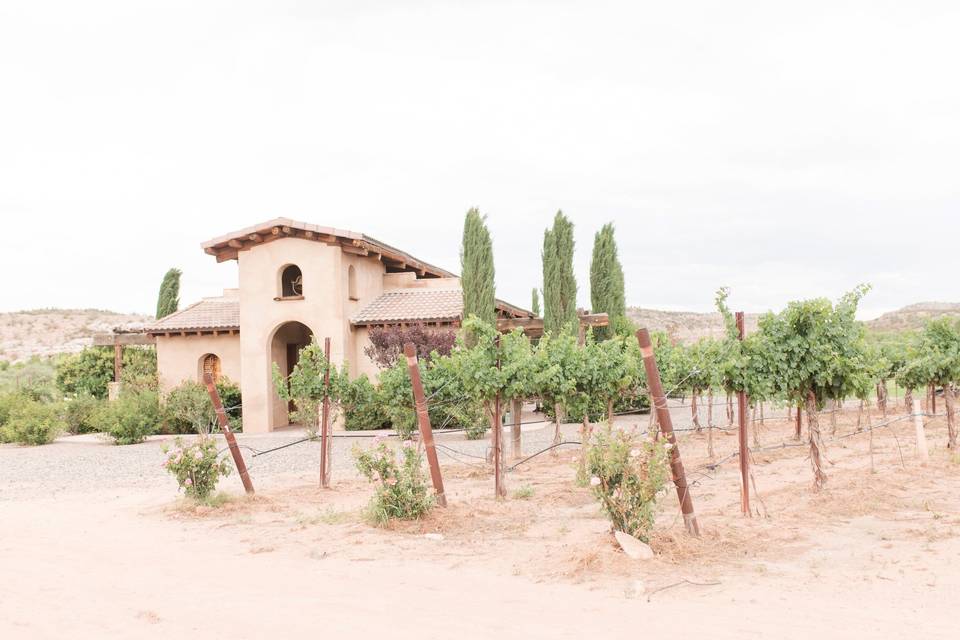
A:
x: 285, y: 345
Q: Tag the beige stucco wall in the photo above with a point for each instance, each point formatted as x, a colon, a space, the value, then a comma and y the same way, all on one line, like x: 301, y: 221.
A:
x: 325, y: 309
x: 179, y: 358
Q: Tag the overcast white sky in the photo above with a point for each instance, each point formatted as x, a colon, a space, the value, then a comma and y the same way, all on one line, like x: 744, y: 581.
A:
x: 786, y: 150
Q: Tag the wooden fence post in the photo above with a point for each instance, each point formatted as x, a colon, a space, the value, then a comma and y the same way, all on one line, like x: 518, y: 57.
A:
x: 921, y: 436
x: 325, y: 441
x: 499, y: 490
x: 744, y: 449
x: 227, y: 433
x: 659, y: 400
x: 423, y: 419
x: 517, y: 412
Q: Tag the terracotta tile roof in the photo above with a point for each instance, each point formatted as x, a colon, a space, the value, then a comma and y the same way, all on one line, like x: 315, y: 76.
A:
x: 432, y: 305
x: 208, y: 314
x: 226, y: 247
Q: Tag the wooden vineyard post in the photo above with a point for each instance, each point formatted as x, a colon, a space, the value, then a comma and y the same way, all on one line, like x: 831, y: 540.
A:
x: 517, y: 413
x: 227, y: 433
x: 117, y: 358
x: 499, y: 490
x: 744, y: 449
x: 921, y: 436
x: 659, y: 400
x: 325, y: 440
x: 423, y: 419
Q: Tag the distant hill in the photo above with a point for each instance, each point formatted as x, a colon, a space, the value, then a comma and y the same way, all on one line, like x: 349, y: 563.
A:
x: 43, y: 332
x: 913, y: 317
x: 686, y: 326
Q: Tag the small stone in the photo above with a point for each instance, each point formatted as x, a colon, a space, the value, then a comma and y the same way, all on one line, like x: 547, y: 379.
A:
x: 433, y: 536
x: 633, y: 547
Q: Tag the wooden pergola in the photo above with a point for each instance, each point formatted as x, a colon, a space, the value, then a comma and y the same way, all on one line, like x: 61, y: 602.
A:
x: 119, y: 339
x: 533, y: 327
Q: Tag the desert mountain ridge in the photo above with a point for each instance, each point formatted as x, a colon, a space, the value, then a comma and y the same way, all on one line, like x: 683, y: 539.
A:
x: 46, y: 332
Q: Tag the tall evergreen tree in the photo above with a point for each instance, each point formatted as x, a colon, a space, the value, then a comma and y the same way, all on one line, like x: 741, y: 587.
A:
x: 169, y: 298
x: 559, y: 282
x: 476, y: 269
x: 535, y: 302
x: 606, y: 281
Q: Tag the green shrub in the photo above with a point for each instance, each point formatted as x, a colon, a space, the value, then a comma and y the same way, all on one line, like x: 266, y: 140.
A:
x: 401, y: 490
x: 80, y: 413
x: 627, y: 471
x: 396, y: 399
x: 33, y: 378
x: 90, y: 370
x: 197, y: 467
x: 362, y: 405
x: 130, y: 418
x: 33, y: 423
x: 188, y: 409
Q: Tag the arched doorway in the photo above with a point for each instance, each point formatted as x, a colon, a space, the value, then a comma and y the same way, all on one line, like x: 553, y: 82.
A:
x: 285, y: 345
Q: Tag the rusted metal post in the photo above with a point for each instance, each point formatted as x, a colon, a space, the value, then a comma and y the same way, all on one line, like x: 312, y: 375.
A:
x: 325, y: 444
x: 228, y: 433
x: 659, y: 400
x: 799, y: 424
x: 744, y: 449
x: 423, y: 419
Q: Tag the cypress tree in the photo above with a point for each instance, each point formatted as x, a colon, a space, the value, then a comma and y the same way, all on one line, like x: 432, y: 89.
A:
x: 606, y: 281
x: 476, y: 269
x: 169, y: 298
x: 559, y: 282
x: 535, y: 303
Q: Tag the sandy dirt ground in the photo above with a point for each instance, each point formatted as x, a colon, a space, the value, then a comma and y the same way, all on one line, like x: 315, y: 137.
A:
x: 874, y: 555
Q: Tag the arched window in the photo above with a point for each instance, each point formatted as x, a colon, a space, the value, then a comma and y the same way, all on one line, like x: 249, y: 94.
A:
x: 291, y: 282
x: 210, y: 364
x: 352, y: 283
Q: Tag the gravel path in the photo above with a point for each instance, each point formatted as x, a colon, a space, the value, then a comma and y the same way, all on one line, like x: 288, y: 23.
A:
x: 92, y: 463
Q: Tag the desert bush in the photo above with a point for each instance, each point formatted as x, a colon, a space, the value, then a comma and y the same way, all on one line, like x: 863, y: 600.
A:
x: 79, y: 414
x: 401, y: 490
x: 361, y: 404
x: 187, y: 408
x: 196, y: 466
x: 386, y: 343
x: 90, y: 370
x: 627, y: 472
x: 130, y: 418
x: 33, y: 378
x: 32, y: 423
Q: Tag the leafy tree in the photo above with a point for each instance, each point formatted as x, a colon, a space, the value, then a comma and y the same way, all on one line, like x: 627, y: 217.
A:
x: 939, y: 349
x: 477, y: 272
x: 168, y: 299
x: 535, y: 302
x: 557, y: 362
x: 559, y: 283
x: 606, y: 281
x: 89, y: 371
x: 815, y: 350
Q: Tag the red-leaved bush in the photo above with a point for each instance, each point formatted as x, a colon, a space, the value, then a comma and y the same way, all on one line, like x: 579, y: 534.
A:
x: 387, y: 342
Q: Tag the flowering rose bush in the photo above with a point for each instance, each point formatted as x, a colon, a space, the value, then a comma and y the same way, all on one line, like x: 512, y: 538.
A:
x: 197, y: 466
x: 402, y: 490
x: 627, y: 471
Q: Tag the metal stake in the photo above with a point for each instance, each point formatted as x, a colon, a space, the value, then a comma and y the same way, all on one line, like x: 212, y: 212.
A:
x: 227, y: 433
x: 659, y: 400
x: 423, y: 419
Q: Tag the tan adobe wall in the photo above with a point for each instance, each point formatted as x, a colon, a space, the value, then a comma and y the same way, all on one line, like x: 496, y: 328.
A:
x: 180, y: 358
x: 369, y: 273
x: 408, y: 280
x: 324, y: 309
